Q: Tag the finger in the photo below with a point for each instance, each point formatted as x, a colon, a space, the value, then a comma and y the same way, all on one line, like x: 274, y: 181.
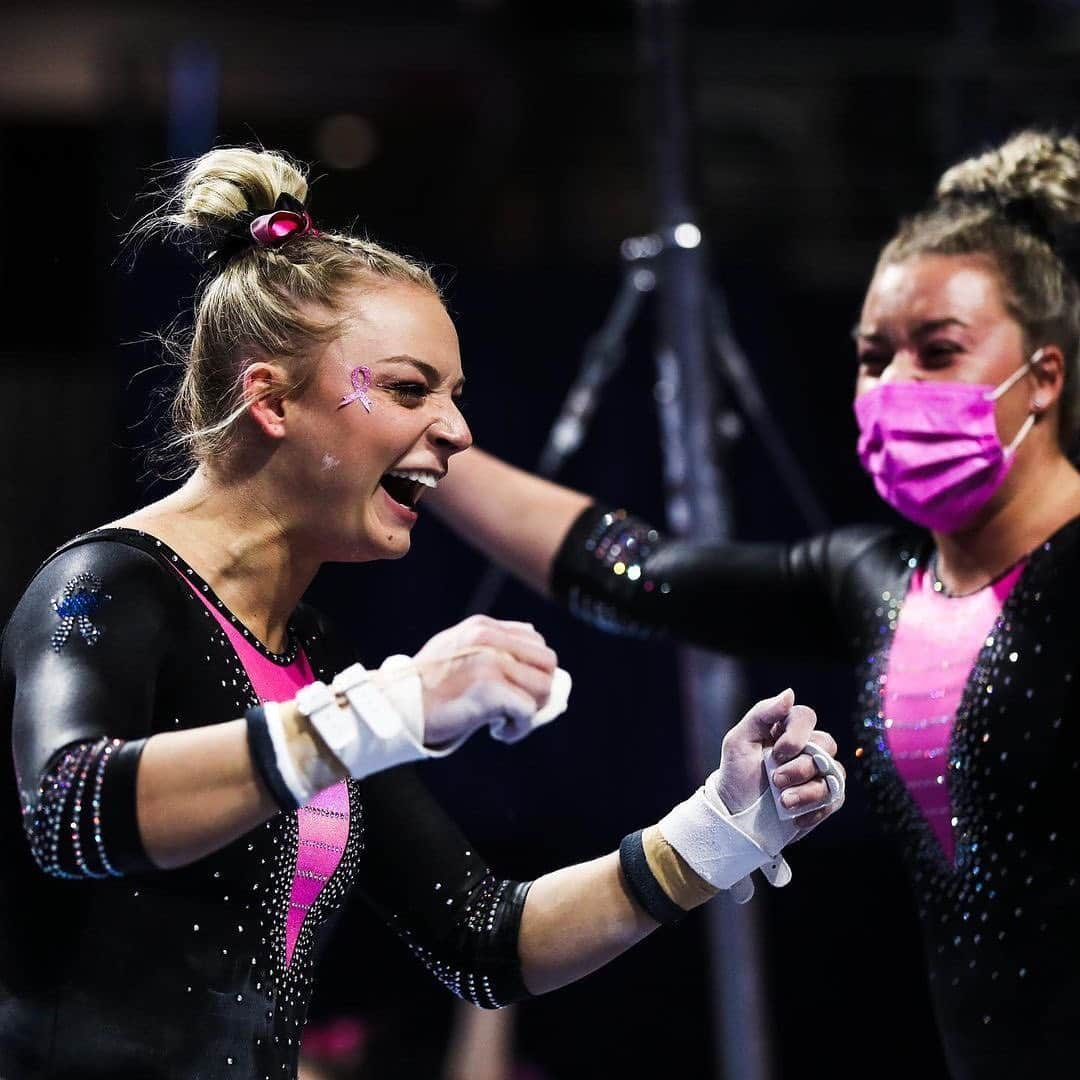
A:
x: 807, y: 796
x: 756, y: 726
x: 796, y: 733
x: 485, y: 625
x: 825, y: 741
x: 489, y: 630
x: 831, y: 769
x: 520, y: 628
x: 515, y: 704
x: 801, y: 770
x: 812, y: 763
x: 530, y: 679
x: 527, y: 650
x: 815, y: 817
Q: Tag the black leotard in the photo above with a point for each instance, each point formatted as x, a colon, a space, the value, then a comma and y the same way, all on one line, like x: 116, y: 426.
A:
x: 111, y: 968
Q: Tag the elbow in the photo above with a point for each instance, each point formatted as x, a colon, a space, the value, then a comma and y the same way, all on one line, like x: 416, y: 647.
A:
x: 63, y: 822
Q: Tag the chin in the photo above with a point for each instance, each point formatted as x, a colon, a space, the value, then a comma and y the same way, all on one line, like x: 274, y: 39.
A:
x: 395, y: 546
x: 399, y: 551
x: 379, y: 538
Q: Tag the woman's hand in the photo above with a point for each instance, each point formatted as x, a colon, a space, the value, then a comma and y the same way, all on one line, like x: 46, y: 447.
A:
x: 480, y: 670
x: 789, y: 731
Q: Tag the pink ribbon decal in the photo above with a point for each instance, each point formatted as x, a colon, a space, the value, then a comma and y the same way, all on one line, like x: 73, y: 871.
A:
x: 361, y: 381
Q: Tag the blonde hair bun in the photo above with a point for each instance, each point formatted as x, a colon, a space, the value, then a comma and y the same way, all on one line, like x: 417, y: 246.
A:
x: 1034, y: 167
x: 224, y: 183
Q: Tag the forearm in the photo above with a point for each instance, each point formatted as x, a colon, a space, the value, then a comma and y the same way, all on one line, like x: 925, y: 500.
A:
x: 576, y: 920
x: 515, y: 518
x: 198, y: 790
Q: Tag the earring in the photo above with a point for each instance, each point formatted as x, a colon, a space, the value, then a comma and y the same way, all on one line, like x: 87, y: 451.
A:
x: 1037, y: 404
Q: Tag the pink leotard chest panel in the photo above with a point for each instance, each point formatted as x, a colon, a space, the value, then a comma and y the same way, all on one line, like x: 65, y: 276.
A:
x: 937, y: 641
x: 323, y: 824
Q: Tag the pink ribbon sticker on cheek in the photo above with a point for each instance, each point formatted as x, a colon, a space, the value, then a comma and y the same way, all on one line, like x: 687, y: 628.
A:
x: 361, y: 383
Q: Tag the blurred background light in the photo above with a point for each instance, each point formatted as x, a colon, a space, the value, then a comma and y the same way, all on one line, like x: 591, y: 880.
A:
x: 346, y: 141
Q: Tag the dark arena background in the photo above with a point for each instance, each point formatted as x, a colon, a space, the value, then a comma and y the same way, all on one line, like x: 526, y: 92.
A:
x: 508, y: 144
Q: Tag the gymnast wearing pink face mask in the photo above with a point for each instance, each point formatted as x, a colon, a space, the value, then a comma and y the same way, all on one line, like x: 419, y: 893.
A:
x: 204, y: 769
x: 965, y: 625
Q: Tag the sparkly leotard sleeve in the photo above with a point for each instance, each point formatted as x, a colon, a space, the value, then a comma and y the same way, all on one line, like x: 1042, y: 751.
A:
x: 622, y: 575
x: 83, y: 706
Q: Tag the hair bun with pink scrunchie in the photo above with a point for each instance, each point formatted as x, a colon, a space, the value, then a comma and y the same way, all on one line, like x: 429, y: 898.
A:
x: 289, y: 218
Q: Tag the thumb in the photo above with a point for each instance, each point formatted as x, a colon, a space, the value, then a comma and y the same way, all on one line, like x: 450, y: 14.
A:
x: 757, y: 724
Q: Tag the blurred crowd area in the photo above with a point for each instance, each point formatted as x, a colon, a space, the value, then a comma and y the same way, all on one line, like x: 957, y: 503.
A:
x: 506, y: 143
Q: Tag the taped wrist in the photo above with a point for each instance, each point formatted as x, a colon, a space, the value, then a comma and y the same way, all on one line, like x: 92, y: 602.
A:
x: 643, y: 883
x: 367, y: 733
x: 662, y: 882
x: 676, y: 876
x: 291, y: 784
x: 713, y: 842
x: 381, y: 723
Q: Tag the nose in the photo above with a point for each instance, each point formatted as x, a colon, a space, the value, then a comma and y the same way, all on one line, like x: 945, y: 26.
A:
x: 901, y: 368
x: 451, y: 430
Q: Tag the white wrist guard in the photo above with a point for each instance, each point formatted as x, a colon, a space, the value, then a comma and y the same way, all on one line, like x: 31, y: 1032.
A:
x: 382, y: 724
x: 291, y: 785
x: 378, y: 728
x: 713, y: 841
x: 724, y: 848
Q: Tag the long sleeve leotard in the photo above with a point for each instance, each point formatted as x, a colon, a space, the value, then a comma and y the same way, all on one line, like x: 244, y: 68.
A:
x: 112, y: 968
x: 1001, y: 914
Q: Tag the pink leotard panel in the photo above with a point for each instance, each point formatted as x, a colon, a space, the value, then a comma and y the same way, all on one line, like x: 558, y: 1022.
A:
x: 323, y: 824
x: 937, y: 640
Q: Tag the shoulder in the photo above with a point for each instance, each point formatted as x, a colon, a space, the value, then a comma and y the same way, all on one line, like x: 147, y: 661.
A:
x: 1055, y: 565
x: 88, y: 564
x: 865, y: 558
x: 878, y: 545
x: 91, y: 582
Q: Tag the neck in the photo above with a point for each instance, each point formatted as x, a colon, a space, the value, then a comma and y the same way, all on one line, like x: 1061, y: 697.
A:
x: 230, y: 533
x: 1033, y: 511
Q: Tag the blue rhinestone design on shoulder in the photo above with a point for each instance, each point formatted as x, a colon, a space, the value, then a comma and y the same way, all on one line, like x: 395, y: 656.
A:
x: 81, y: 598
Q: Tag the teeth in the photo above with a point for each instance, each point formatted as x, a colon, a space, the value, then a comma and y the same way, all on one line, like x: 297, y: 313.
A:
x: 425, y: 478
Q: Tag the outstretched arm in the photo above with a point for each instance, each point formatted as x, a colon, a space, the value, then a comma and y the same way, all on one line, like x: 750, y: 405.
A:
x: 517, y: 519
x: 495, y: 941
x: 579, y: 918
x: 619, y: 573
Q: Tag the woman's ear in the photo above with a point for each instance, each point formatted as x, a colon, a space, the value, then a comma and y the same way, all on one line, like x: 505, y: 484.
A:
x: 265, y: 386
x: 1048, y: 375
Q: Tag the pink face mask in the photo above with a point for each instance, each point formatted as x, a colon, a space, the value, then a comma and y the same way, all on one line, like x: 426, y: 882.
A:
x: 932, y: 448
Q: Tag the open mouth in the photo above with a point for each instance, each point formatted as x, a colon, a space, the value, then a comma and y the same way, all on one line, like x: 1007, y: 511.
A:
x: 406, y: 486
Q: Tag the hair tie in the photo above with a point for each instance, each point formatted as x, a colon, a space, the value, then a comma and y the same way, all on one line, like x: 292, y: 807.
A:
x: 247, y: 229
x: 288, y: 218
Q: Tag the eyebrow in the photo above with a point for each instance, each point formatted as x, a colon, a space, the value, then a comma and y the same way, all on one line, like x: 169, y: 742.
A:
x: 429, y: 371
x: 924, y: 329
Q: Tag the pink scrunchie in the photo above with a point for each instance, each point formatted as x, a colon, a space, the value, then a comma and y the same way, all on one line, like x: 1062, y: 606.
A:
x: 270, y: 229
